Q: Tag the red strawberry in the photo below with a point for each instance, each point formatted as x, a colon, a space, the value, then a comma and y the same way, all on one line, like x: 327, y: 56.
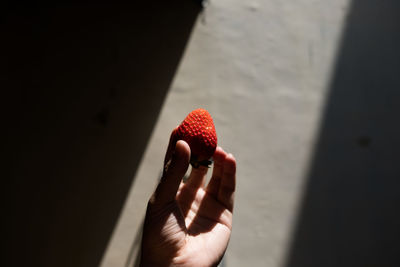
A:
x: 198, y: 130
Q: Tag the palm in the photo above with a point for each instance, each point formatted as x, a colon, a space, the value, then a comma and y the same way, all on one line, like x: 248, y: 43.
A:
x: 202, y: 212
x: 208, y: 225
x: 194, y: 228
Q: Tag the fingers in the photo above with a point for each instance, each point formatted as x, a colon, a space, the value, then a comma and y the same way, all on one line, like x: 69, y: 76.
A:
x: 197, y: 177
x: 223, y: 181
x: 213, y: 185
x: 187, y: 191
x: 174, y: 170
x: 228, y: 182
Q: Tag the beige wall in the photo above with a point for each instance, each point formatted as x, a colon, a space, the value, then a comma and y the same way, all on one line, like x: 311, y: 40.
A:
x: 262, y: 69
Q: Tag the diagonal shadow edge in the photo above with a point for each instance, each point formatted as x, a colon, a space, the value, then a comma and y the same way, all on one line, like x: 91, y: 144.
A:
x: 348, y: 214
x: 75, y: 95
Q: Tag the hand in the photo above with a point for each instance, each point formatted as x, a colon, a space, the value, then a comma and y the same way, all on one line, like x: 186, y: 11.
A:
x: 188, y: 224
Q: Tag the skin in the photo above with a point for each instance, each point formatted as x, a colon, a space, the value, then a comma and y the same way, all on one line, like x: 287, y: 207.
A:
x: 189, y: 224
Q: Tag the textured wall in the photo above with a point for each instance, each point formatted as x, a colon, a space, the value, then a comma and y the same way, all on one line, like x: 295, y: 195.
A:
x: 305, y: 94
x: 82, y: 86
x: 262, y: 69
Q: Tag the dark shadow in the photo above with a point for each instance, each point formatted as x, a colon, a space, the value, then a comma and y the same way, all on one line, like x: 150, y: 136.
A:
x: 350, y: 212
x: 82, y: 89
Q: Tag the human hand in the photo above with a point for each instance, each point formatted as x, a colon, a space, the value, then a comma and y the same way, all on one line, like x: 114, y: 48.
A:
x: 189, y: 224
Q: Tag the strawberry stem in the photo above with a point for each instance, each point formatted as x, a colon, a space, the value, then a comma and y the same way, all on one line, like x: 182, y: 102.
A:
x: 196, y: 163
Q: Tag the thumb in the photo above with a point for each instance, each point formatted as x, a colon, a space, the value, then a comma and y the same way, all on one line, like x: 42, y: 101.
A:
x: 174, y: 170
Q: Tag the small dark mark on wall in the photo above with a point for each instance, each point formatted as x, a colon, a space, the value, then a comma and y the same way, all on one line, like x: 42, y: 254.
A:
x: 364, y: 141
x: 112, y: 93
x: 102, y: 116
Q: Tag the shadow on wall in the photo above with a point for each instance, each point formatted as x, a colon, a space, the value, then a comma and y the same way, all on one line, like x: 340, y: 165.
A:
x: 85, y: 85
x: 350, y: 211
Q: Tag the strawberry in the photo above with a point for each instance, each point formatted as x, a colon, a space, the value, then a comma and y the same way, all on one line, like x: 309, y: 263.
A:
x: 198, y: 130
